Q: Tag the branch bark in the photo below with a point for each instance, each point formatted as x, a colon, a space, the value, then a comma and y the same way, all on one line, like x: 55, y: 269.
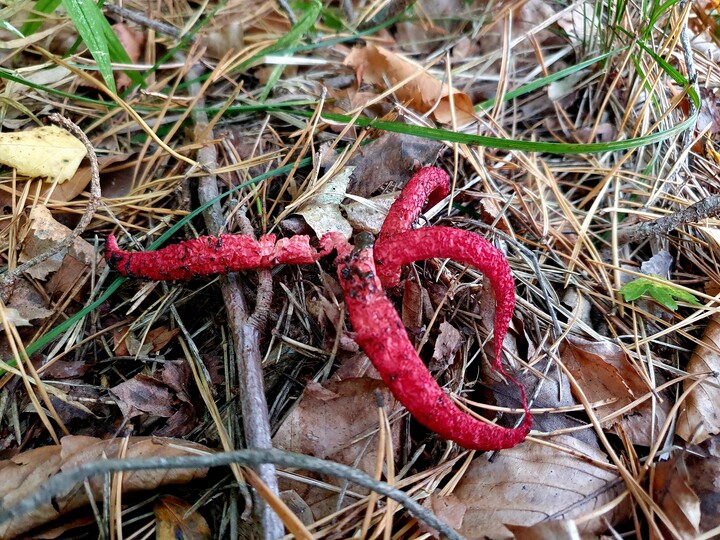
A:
x: 244, y: 327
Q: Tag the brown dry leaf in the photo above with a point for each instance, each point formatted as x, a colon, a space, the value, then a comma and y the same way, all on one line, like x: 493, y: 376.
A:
x: 331, y: 422
x: 532, y: 483
x: 604, y: 372
x: 45, y: 152
x: 377, y: 64
x: 677, y: 499
x: 700, y: 418
x: 704, y: 476
x: 45, y: 233
x: 68, y: 191
x: 388, y: 160
x: 25, y: 473
x: 357, y: 365
x: 127, y: 344
x: 133, y: 43
x: 143, y: 394
x: 412, y: 306
x: 548, y: 530
x: 447, y: 344
x: 447, y: 508
x: 173, y: 520
x: 297, y: 506
x: 64, y: 369
x: 27, y: 303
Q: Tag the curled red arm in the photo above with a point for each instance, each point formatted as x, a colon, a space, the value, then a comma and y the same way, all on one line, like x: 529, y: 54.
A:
x: 463, y: 246
x: 426, y: 187
x: 381, y: 334
x: 429, y: 185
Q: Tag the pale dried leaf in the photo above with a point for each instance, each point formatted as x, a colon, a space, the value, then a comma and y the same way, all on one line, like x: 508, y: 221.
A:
x: 580, y: 23
x: 322, y: 213
x: 27, y: 472
x: 369, y: 214
x: 13, y: 317
x: 700, y: 417
x: 48, y: 152
x: 566, y: 86
x: 532, y: 483
x: 377, y: 65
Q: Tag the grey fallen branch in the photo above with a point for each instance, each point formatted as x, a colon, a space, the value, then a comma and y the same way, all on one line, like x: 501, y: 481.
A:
x: 67, y: 480
x: 245, y: 327
x: 8, y: 280
x: 144, y: 20
x: 706, y: 208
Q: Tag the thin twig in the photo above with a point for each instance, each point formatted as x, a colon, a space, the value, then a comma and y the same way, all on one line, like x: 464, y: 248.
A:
x: 708, y: 207
x: 285, y: 6
x: 67, y: 480
x: 9, y: 279
x: 143, y: 20
x: 245, y: 329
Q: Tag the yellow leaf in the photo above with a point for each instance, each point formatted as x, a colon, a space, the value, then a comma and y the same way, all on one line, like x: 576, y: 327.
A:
x: 49, y: 152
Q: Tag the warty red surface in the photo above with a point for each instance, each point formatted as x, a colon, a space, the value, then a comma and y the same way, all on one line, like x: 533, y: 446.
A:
x: 381, y: 334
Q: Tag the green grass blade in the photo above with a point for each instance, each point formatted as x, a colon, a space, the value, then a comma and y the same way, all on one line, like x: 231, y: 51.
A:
x: 291, y: 39
x: 98, y: 35
x: 34, y: 21
x: 544, y: 81
x: 486, y: 141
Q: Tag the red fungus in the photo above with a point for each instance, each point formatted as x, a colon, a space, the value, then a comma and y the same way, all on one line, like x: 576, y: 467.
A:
x: 429, y: 184
x: 380, y: 331
x: 210, y: 255
x: 381, y: 334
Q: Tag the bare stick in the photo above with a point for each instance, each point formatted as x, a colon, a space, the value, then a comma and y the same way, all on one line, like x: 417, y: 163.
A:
x: 143, y: 20
x: 9, y: 279
x: 67, y: 480
x: 245, y: 330
x: 707, y: 208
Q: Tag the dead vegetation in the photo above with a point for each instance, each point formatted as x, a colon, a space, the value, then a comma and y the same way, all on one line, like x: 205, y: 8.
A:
x: 580, y: 138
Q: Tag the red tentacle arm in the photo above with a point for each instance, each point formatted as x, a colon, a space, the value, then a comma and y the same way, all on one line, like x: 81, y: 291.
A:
x: 462, y: 246
x: 381, y: 334
x: 426, y: 187
x: 210, y: 255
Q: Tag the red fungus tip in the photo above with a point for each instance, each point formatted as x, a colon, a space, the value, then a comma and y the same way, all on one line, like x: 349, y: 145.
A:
x: 111, y: 243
